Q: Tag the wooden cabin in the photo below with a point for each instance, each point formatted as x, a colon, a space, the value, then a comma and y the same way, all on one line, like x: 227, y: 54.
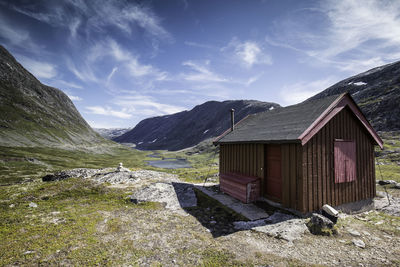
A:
x: 302, y: 156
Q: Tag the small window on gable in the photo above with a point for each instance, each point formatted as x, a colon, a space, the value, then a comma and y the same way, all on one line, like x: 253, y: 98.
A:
x: 345, y: 161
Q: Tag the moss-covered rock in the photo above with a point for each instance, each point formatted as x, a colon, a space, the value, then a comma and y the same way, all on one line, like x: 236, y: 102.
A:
x: 320, y: 225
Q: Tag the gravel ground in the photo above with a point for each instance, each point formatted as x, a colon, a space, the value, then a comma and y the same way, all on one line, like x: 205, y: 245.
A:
x: 173, y: 234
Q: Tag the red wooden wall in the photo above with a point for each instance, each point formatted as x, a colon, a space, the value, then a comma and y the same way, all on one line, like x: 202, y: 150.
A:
x: 308, y: 173
x: 318, y: 178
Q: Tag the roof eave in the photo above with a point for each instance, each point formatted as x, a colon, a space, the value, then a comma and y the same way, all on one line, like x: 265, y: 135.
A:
x: 338, y: 105
x: 282, y: 141
x: 216, y: 140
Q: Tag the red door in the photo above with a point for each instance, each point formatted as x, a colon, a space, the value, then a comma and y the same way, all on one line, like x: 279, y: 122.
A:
x: 273, y: 184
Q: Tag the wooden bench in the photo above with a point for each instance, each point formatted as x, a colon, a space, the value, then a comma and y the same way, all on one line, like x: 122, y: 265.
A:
x: 243, y: 187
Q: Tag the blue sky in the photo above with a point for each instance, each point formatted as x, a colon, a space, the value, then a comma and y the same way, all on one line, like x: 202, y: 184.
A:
x: 123, y: 61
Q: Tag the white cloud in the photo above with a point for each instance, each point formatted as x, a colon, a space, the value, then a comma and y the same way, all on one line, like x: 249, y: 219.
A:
x: 16, y: 36
x: 253, y: 79
x: 96, y: 15
x: 350, y: 35
x: 74, y: 26
x: 145, y: 105
x: 134, y: 106
x: 66, y: 84
x: 131, y: 62
x: 84, y: 73
x: 201, y: 73
x: 136, y: 69
x: 126, y: 61
x: 111, y: 74
x: 74, y: 98
x: 357, y: 65
x: 248, y: 53
x: 107, y: 111
x: 37, y: 68
x: 145, y: 19
x: 199, y: 45
x: 298, y: 92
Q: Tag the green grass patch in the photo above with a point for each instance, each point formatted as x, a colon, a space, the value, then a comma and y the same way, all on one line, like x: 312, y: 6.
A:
x: 388, y: 159
x: 18, y: 164
x: 215, y: 258
x: 387, y: 172
x: 64, y: 225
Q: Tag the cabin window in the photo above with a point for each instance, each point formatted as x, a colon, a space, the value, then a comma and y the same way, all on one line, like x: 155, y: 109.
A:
x: 345, y: 161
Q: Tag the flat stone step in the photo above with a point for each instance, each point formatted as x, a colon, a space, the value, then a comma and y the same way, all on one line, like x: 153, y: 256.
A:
x: 250, y: 211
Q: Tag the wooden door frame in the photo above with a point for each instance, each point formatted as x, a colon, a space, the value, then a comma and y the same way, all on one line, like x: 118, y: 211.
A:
x: 264, y: 188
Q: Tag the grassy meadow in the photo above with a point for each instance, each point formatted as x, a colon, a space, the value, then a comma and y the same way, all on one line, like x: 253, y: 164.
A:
x: 387, y: 161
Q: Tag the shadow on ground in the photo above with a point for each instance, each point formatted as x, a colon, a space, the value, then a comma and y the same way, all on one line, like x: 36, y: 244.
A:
x: 214, y: 216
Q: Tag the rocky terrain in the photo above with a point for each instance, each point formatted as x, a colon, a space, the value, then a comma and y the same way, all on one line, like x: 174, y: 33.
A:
x: 377, y: 92
x: 112, y: 176
x: 368, y: 239
x: 33, y: 114
x: 188, y: 128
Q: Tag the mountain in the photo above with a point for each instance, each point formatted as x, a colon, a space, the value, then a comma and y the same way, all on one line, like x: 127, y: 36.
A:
x: 377, y: 92
x: 188, y: 128
x: 33, y: 114
x: 111, y: 133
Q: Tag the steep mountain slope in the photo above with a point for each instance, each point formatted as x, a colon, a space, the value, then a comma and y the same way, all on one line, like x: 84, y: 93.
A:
x: 188, y: 128
x: 33, y: 114
x: 377, y: 92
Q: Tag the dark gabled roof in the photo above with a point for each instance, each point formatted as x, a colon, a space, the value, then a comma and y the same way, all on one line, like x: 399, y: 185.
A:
x: 296, y: 123
x: 281, y: 124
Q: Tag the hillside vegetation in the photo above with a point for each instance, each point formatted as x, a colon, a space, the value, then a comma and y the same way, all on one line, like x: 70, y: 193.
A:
x: 33, y: 114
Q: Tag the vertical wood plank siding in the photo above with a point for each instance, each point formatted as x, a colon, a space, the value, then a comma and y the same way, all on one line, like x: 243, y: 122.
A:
x: 292, y: 176
x: 247, y: 159
x: 318, y: 172
x: 308, y: 173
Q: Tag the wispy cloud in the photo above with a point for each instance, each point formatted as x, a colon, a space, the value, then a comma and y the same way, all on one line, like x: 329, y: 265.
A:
x: 201, y: 72
x: 350, y: 36
x: 131, y: 62
x: 248, y: 53
x: 199, y: 45
x: 96, y: 15
x: 16, y: 36
x: 39, y: 69
x: 66, y: 84
x: 124, y: 59
x: 107, y: 111
x: 145, y: 105
x: 134, y: 106
x: 253, y: 79
x: 74, y: 26
x: 300, y: 91
x: 111, y: 74
x: 85, y: 73
x: 74, y: 98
